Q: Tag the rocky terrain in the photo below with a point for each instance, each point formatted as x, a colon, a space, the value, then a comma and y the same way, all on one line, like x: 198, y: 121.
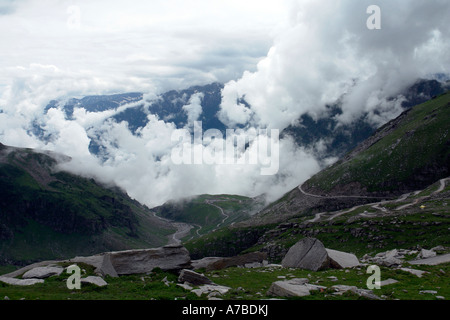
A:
x: 308, y: 255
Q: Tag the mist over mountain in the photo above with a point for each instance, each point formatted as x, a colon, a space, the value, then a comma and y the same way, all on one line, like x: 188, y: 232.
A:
x: 311, y: 70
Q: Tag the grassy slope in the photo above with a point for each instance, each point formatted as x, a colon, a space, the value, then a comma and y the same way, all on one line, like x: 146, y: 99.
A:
x: 245, y: 284
x: 204, y: 211
x: 406, y: 157
x: 68, y: 216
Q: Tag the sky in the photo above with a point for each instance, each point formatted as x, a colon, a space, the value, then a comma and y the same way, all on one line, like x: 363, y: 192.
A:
x: 286, y: 58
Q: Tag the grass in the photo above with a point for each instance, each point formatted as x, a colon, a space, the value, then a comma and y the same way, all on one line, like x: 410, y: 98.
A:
x: 419, y: 140
x: 245, y: 284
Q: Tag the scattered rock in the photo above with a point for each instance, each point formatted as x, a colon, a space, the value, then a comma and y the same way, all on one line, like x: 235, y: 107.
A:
x: 388, y: 282
x: 185, y: 286
x: 193, y: 278
x: 390, y: 258
x: 20, y: 282
x: 418, y: 273
x: 342, y: 260
x: 42, y: 272
x: 237, y: 261
x: 98, y: 281
x: 425, y: 254
x: 6, y: 298
x: 445, y: 258
x: 333, y: 278
x: 341, y: 289
x: 290, y: 288
x: 209, y: 288
x: 428, y: 292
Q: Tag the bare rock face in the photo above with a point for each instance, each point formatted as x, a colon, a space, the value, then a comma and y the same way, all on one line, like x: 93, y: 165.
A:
x: 98, y: 281
x: 311, y: 254
x: 289, y: 288
x: 193, y: 278
x: 168, y: 258
x: 42, y: 272
x: 308, y: 253
x: 342, y: 260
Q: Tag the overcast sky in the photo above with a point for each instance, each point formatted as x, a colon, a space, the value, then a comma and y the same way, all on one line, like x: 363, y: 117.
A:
x: 285, y: 58
x: 136, y: 45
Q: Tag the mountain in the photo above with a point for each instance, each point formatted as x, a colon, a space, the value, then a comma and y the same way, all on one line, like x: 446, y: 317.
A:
x: 49, y: 214
x: 207, y: 213
x: 307, y: 131
x: 407, y: 154
x: 392, y: 191
x: 340, y: 138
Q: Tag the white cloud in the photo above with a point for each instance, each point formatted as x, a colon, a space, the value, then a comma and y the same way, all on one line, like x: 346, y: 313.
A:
x: 320, y: 50
x: 326, y: 50
x: 194, y: 108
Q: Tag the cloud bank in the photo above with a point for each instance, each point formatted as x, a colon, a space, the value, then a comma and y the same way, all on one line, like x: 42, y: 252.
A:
x: 277, y: 65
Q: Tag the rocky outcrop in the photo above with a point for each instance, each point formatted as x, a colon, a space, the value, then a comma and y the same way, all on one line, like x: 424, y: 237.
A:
x: 308, y: 253
x: 311, y: 254
x: 167, y: 258
x: 20, y: 282
x: 42, y: 272
x: 342, y: 260
x: 98, y: 281
x: 193, y: 278
x: 289, y: 288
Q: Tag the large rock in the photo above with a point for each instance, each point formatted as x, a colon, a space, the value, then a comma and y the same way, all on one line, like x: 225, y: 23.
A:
x: 433, y: 261
x: 42, y: 272
x: 193, y: 278
x: 98, y: 281
x: 311, y: 254
x: 289, y: 288
x: 308, y: 253
x: 168, y: 258
x: 20, y: 282
x: 342, y: 260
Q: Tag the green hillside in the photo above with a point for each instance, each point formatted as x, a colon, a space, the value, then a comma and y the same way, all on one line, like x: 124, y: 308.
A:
x: 406, y: 154
x: 48, y: 215
x: 209, y: 212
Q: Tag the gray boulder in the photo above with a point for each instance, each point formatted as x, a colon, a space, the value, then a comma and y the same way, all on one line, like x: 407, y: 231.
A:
x: 98, y: 281
x: 308, y: 253
x: 425, y: 254
x: 193, y: 278
x: 42, y: 272
x: 20, y: 282
x: 311, y: 254
x: 289, y: 288
x: 342, y: 260
x: 168, y: 258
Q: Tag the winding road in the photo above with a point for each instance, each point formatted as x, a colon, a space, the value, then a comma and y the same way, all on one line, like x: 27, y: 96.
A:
x: 376, y: 205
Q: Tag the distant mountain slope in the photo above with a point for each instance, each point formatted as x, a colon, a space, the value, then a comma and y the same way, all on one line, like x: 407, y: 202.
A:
x: 210, y: 212
x: 407, y: 154
x: 46, y: 214
x: 338, y: 139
